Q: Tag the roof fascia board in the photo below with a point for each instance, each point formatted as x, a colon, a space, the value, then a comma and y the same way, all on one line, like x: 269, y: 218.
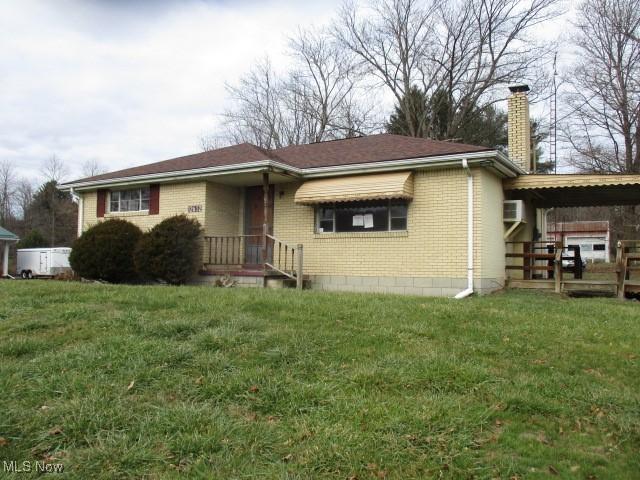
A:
x: 502, y: 164
x: 497, y: 160
x: 249, y: 167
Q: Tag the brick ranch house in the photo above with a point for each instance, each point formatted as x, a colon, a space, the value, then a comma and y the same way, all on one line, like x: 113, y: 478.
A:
x: 381, y: 213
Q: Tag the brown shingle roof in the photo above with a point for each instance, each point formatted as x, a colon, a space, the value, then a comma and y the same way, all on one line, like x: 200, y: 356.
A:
x: 243, y: 153
x: 373, y: 148
x: 369, y: 149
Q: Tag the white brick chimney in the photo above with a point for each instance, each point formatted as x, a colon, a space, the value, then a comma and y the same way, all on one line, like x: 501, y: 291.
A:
x: 519, y: 127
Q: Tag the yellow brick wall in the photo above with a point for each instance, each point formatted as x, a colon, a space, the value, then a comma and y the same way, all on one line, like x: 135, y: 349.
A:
x: 491, y: 227
x: 519, y: 130
x: 434, y: 245
x: 175, y: 198
x: 219, y: 215
x: 223, y: 210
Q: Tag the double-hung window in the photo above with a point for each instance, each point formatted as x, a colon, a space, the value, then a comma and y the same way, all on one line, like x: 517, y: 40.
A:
x: 362, y: 216
x: 133, y: 200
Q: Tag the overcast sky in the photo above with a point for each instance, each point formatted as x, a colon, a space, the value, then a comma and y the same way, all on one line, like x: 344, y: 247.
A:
x: 126, y: 82
x: 129, y: 82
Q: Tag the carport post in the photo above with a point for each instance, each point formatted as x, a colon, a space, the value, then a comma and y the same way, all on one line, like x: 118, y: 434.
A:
x: 5, y: 260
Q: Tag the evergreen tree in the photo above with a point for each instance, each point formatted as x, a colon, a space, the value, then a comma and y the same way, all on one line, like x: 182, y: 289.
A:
x: 485, y: 126
x: 54, y: 214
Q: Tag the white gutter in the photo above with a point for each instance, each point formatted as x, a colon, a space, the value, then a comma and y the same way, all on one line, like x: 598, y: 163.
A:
x: 496, y: 159
x: 469, y: 290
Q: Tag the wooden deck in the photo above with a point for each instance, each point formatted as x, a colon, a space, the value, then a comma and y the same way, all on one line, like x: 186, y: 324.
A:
x: 607, y: 288
x: 548, y: 259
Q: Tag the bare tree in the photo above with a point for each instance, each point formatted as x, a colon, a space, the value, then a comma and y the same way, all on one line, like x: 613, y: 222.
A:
x: 257, y: 113
x: 7, y: 191
x: 23, y: 199
x: 391, y: 40
x: 326, y: 79
x: 319, y: 98
x: 603, y: 88
x: 92, y: 167
x: 54, y: 169
x: 213, y: 142
x: 462, y: 52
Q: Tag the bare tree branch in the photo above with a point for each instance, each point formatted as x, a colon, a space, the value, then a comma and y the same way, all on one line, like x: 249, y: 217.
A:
x: 7, y: 190
x: 603, y: 88
x: 463, y: 52
x: 92, y: 167
x: 54, y: 169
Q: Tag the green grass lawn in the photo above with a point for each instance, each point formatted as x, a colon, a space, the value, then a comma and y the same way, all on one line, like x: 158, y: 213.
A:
x: 162, y: 382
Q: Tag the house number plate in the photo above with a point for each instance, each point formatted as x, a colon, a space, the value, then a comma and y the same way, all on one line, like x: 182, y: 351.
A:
x: 194, y: 208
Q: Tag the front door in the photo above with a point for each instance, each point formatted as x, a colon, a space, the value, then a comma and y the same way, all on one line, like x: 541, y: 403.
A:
x: 253, y: 224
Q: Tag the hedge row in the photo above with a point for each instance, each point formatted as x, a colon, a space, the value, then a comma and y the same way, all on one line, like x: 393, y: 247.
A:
x: 117, y: 251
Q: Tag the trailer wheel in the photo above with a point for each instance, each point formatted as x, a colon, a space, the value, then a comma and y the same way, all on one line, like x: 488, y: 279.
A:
x: 23, y: 275
x: 29, y: 274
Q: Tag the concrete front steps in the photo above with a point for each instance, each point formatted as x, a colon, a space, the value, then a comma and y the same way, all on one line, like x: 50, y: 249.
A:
x: 250, y: 276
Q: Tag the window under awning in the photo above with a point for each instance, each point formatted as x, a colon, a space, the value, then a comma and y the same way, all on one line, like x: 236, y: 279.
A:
x: 358, y: 187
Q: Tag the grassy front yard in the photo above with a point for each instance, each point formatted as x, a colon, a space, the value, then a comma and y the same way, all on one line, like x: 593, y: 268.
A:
x: 123, y: 382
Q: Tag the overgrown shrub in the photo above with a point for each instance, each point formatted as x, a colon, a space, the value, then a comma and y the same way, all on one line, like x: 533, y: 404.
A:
x: 105, y: 252
x: 170, y: 251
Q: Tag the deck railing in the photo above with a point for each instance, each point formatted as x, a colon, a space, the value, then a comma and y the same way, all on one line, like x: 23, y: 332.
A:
x: 545, y: 257
x: 627, y: 261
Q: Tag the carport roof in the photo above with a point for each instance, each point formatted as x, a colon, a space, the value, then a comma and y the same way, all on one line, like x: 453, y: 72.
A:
x: 575, y: 190
x: 7, y: 235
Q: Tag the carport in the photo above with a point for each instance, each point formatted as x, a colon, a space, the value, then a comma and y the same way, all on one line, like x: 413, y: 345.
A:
x: 548, y: 191
x: 6, y: 238
x: 573, y: 190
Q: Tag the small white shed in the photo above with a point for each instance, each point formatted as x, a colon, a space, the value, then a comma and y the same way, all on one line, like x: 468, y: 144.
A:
x: 6, y: 238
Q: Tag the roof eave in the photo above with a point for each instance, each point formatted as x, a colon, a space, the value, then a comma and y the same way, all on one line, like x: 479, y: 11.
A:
x: 486, y: 158
x: 248, y: 167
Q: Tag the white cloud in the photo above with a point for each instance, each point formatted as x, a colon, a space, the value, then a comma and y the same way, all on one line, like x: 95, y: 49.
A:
x: 128, y: 83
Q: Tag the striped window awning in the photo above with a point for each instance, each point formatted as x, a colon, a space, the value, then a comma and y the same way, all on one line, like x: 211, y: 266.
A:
x: 358, y: 187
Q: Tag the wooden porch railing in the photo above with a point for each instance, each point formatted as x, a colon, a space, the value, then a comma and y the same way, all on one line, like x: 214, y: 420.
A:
x: 286, y: 259
x: 281, y: 257
x: 627, y: 261
x: 230, y: 249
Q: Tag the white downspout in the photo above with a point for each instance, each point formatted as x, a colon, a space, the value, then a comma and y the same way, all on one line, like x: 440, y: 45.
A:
x: 80, y: 201
x: 469, y: 290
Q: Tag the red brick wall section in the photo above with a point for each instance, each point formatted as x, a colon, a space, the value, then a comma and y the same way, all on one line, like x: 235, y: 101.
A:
x: 101, y: 204
x: 154, y: 199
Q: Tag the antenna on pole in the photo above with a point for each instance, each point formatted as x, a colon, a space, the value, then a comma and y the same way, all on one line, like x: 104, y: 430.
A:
x: 553, y: 123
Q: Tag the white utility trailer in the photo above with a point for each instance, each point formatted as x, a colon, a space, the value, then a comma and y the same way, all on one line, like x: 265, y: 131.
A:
x: 42, y: 262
